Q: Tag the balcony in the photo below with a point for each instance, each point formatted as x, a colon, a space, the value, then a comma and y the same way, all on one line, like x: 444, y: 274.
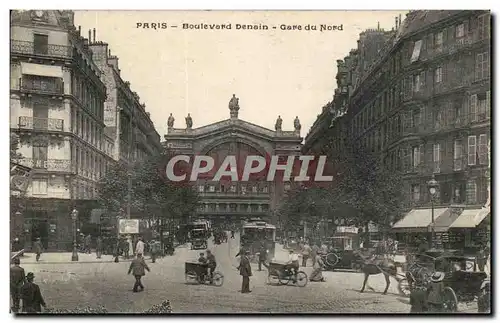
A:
x: 42, y: 85
x: 235, y: 212
x: 234, y: 194
x: 454, y: 84
x: 50, y: 51
x: 451, y: 47
x: 46, y: 124
x: 51, y: 165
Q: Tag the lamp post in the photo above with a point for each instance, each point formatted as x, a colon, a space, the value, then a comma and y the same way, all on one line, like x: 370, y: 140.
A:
x: 117, y: 246
x: 433, y: 185
x: 74, y: 217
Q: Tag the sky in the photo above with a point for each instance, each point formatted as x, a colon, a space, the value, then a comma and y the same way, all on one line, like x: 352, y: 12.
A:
x: 273, y: 72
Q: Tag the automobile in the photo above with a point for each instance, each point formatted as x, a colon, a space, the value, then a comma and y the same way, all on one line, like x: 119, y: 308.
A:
x: 198, y: 244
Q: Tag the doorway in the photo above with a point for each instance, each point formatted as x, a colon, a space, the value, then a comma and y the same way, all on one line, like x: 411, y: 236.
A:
x: 40, y: 230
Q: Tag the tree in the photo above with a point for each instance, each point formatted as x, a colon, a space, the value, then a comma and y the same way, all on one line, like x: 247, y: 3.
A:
x: 150, y: 194
x: 14, y: 146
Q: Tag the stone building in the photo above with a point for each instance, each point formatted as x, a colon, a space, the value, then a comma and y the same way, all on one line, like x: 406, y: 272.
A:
x: 424, y: 108
x: 230, y: 201
x: 125, y: 117
x: 57, y: 109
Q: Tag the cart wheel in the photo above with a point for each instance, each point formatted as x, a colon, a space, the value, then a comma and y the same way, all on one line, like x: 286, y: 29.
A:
x: 450, y: 300
x: 191, y: 276
x: 301, y: 279
x: 218, y: 279
x: 404, y: 287
x: 273, y: 279
x: 331, y: 259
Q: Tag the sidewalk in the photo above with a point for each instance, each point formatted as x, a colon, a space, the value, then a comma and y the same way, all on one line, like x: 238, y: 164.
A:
x: 65, y: 258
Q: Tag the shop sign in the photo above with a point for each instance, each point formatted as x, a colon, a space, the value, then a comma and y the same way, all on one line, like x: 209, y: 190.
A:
x: 129, y: 226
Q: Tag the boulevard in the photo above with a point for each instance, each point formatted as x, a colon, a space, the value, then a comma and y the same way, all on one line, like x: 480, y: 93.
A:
x: 76, y: 284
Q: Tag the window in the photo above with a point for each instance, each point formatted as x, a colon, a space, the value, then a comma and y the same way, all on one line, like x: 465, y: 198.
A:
x: 483, y: 150
x: 457, y: 155
x: 41, y: 44
x: 415, y: 192
x: 243, y: 190
x: 201, y: 188
x: 436, y: 157
x: 471, y: 191
x: 233, y: 189
x: 265, y: 189
x: 254, y: 189
x: 460, y: 31
x: 287, y: 187
x: 416, y: 83
x: 438, y: 75
x: 481, y: 107
x: 438, y: 41
x: 416, y: 155
x: 416, y: 51
x: 40, y: 156
x: 473, y: 108
x: 482, y: 66
x: 211, y: 188
x: 39, y: 186
x: 484, y: 26
x: 471, y: 156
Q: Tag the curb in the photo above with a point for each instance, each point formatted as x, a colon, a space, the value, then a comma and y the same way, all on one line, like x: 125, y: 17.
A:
x: 76, y: 262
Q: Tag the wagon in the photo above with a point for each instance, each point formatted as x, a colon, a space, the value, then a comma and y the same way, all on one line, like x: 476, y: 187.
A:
x: 280, y: 274
x: 198, y: 244
x: 198, y: 273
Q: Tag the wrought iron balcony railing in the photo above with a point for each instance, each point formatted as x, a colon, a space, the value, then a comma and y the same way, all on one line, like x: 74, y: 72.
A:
x: 48, y: 124
x: 42, y: 86
x: 58, y: 165
x: 29, y: 48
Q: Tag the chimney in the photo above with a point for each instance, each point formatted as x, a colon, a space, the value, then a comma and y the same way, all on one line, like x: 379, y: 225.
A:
x: 378, y: 26
x: 109, y: 52
x: 79, y: 30
x: 396, y: 19
x: 400, y: 19
x: 94, y: 35
x: 90, y: 36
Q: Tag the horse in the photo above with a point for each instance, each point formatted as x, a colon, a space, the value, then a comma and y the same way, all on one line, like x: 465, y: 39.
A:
x: 377, y: 266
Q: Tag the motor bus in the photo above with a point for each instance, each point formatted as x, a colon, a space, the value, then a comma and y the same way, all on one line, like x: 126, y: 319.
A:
x: 254, y: 232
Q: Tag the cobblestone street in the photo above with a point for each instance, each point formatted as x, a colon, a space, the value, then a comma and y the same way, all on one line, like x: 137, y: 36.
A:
x: 68, y: 285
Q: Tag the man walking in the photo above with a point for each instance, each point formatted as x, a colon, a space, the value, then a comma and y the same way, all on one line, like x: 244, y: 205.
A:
x: 306, y: 252
x: 139, y: 247
x: 314, y: 252
x: 98, y: 247
x: 262, y: 256
x: 138, y: 268
x: 17, y: 277
x: 38, y: 248
x: 87, y: 243
x: 31, y: 296
x: 154, y: 247
x: 245, y: 271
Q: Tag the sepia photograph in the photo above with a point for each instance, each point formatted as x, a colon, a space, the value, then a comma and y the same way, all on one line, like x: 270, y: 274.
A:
x: 263, y: 162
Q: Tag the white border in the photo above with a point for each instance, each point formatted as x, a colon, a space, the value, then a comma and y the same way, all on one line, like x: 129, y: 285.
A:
x: 192, y: 5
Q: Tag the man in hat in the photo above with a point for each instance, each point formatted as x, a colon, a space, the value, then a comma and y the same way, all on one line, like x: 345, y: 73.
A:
x: 435, y: 292
x: 154, y: 247
x: 139, y: 247
x: 38, y: 248
x: 138, y: 268
x: 17, y: 277
x: 31, y: 296
x: 211, y: 265
x: 293, y: 263
x: 262, y: 256
x: 418, y: 298
x: 245, y: 271
x: 98, y: 247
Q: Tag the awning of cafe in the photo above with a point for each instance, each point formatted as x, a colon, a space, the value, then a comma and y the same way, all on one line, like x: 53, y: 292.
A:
x: 470, y: 218
x: 419, y: 220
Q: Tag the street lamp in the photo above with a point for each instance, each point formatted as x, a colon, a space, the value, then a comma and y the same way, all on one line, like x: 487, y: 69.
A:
x: 117, y: 246
x: 433, y: 185
x: 74, y: 217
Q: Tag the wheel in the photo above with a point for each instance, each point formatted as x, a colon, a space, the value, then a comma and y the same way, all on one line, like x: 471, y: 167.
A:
x: 404, y: 287
x: 191, y: 276
x: 273, y: 279
x: 284, y: 278
x: 450, y: 301
x: 301, y: 279
x: 331, y: 259
x: 218, y: 279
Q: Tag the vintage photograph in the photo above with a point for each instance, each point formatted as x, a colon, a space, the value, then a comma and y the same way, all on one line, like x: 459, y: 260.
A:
x: 266, y: 162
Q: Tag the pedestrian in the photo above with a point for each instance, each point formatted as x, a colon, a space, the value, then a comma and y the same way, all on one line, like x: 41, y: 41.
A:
x: 16, y: 245
x: 31, y: 296
x: 154, y: 247
x: 126, y: 247
x: 435, y: 292
x: 262, y: 256
x: 481, y: 257
x: 418, y: 298
x: 38, y: 248
x: 317, y: 273
x: 306, y: 252
x: 88, y: 243
x: 139, y: 247
x: 17, y: 278
x: 98, y: 247
x: 245, y: 271
x: 232, y: 234
x: 314, y: 252
x: 138, y: 268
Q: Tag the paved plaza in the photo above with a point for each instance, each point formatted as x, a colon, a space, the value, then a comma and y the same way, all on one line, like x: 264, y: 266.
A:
x: 70, y: 284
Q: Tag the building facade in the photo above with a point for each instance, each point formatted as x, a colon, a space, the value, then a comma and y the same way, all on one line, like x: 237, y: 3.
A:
x: 424, y: 107
x: 235, y: 201
x: 58, y: 108
x: 126, y: 119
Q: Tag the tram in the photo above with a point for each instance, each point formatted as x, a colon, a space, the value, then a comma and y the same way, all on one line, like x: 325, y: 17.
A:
x: 254, y: 232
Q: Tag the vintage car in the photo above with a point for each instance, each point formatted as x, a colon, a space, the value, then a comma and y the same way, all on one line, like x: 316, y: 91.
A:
x: 198, y: 244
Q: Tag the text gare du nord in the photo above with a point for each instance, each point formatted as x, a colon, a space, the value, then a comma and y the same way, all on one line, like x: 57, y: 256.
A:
x: 303, y: 168
x: 229, y: 26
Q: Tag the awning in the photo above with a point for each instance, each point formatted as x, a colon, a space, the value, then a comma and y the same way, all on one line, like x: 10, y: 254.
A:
x: 443, y: 222
x: 41, y: 70
x: 470, y: 218
x: 418, y: 220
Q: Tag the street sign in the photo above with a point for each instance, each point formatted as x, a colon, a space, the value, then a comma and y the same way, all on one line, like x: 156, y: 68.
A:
x: 129, y: 226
